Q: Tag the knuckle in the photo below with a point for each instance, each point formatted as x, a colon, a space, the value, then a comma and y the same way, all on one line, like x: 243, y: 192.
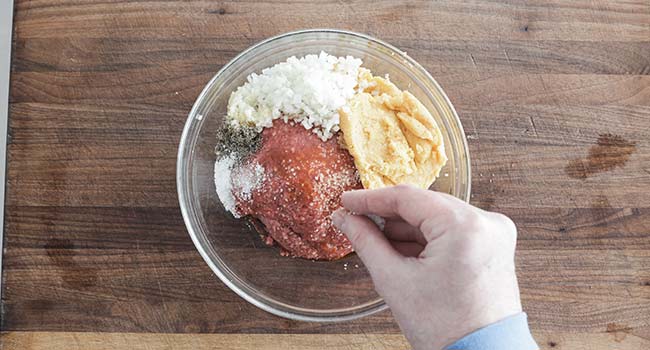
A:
x: 505, y: 225
x: 400, y: 192
x: 365, y: 204
x: 405, y: 191
x: 470, y: 221
x: 501, y: 218
x: 475, y: 234
x: 485, y: 236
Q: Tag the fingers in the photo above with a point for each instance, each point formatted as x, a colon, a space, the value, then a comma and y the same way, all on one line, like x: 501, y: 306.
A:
x: 412, y: 204
x: 400, y: 230
x: 371, y: 245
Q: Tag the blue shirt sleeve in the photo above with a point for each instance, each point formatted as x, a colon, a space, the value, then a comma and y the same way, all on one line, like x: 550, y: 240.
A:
x: 511, y: 333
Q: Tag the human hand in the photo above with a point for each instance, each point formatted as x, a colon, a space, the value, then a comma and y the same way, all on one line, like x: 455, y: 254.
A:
x: 444, y: 267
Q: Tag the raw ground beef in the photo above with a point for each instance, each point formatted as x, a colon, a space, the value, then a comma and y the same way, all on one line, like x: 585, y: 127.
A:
x: 304, y: 178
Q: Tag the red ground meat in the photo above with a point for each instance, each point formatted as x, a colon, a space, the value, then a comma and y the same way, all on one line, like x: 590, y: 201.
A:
x: 303, y: 182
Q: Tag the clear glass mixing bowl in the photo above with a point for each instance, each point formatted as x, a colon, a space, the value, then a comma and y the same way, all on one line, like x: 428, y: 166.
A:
x: 296, y: 288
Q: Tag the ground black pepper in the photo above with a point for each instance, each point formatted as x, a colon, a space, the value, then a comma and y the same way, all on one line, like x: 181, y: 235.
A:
x: 239, y: 141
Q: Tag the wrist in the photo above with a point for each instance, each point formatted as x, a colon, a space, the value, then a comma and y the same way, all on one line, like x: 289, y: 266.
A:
x: 510, y: 333
x: 494, y: 297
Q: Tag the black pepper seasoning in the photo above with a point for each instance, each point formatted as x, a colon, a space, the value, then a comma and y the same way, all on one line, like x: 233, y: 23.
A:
x: 237, y: 141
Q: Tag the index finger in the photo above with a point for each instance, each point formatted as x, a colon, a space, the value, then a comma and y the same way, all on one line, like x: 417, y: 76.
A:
x: 410, y: 203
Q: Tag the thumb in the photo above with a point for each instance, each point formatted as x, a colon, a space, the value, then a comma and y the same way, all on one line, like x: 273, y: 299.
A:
x: 370, y: 244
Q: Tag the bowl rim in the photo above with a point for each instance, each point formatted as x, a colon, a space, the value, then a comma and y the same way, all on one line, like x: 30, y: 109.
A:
x: 183, y: 196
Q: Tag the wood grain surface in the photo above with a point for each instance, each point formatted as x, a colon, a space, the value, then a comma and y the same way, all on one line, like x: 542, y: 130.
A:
x: 167, y: 341
x: 554, y: 98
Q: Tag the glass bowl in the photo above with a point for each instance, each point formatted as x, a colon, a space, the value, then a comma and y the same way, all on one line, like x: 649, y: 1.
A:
x: 290, y: 287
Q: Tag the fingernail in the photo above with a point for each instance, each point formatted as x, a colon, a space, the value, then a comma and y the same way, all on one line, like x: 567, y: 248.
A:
x: 338, y: 217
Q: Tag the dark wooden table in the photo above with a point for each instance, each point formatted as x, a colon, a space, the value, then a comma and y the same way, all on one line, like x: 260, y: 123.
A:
x: 555, y: 100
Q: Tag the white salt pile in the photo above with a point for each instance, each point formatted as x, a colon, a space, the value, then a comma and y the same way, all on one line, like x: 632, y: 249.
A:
x: 309, y: 90
x: 223, y: 182
x: 235, y: 181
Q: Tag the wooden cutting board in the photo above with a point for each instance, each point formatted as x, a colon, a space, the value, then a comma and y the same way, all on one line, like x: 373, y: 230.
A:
x: 554, y: 98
